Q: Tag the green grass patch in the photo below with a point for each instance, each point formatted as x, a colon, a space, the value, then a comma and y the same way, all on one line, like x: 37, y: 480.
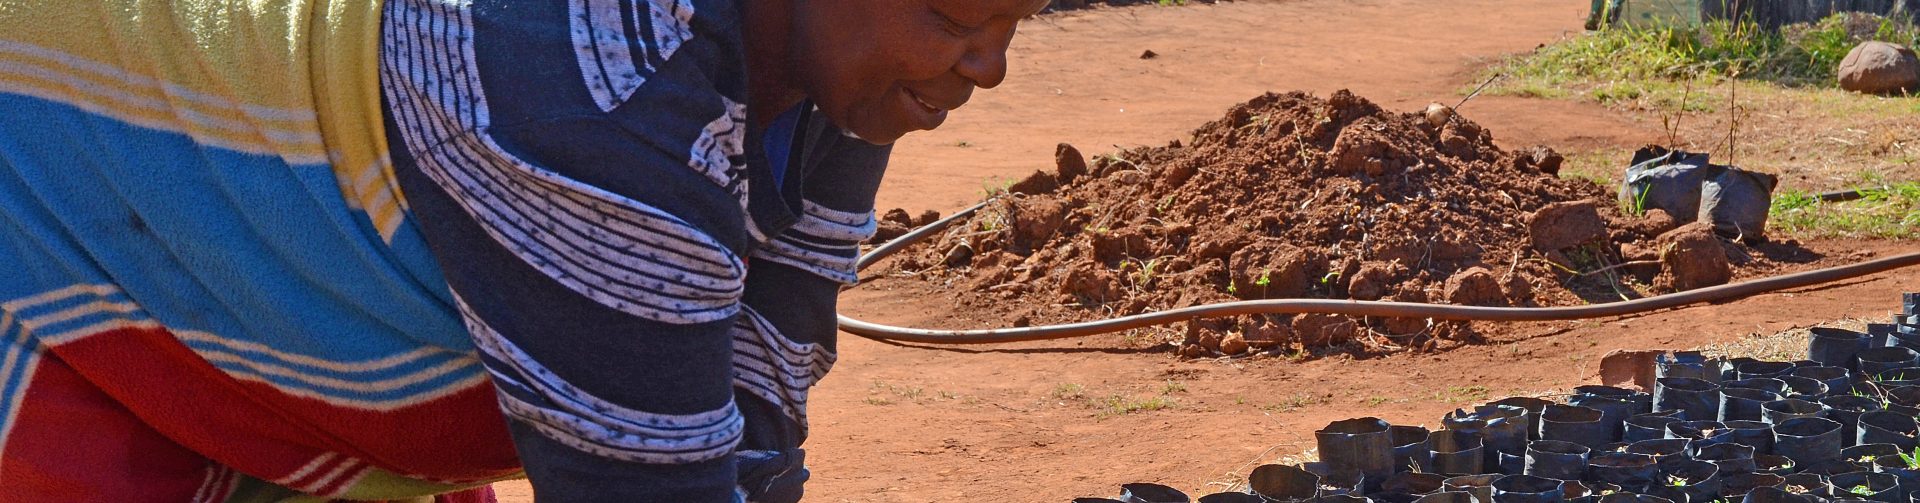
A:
x: 1887, y: 211
x: 1657, y: 65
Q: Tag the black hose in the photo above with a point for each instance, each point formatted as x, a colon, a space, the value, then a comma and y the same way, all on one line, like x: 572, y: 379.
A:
x: 1340, y: 307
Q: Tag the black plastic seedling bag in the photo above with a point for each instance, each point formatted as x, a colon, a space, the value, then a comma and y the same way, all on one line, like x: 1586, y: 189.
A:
x: 1527, y: 489
x: 1533, y: 406
x: 1458, y: 452
x: 1152, y: 493
x: 1363, y: 446
x: 1807, y: 440
x: 1881, y: 487
x: 1696, y: 398
x: 1615, y: 405
x: 1650, y: 426
x: 1481, y: 486
x: 1886, y: 427
x: 1580, y: 425
x: 1835, y: 378
x: 1413, y: 483
x: 1232, y: 498
x: 1447, y: 497
x: 1696, y: 480
x: 1744, y: 404
x: 1699, y: 433
x: 1775, y: 495
x: 1780, y: 411
x: 1836, y: 347
x: 1663, y: 447
x: 1758, y: 369
x: 1754, y: 433
x: 1556, y: 459
x: 1729, y: 458
x: 1873, y: 361
x: 1410, y: 451
x: 1773, y: 463
x: 1736, y: 486
x: 1631, y: 471
x: 1284, y: 483
x: 1804, y: 388
x: 1502, y: 428
x: 1736, y: 201
x: 1634, y: 498
x: 1667, y: 180
x: 1690, y: 364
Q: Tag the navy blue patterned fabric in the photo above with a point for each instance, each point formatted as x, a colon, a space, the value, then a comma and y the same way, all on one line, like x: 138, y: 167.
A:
x: 652, y: 301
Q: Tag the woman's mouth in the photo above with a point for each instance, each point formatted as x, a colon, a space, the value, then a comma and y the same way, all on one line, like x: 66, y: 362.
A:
x: 923, y: 103
x: 925, y: 115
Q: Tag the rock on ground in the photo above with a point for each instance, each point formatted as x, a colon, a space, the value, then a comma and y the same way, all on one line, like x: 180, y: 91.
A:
x: 1880, y: 68
x: 1694, y: 258
x: 1563, y: 225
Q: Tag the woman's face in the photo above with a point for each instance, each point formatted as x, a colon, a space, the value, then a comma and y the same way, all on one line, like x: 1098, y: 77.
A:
x: 884, y: 68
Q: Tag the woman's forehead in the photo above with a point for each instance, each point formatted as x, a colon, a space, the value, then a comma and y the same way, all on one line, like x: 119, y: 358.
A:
x: 993, y: 8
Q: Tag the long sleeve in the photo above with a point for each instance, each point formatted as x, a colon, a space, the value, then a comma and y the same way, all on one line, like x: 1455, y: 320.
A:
x: 576, y: 169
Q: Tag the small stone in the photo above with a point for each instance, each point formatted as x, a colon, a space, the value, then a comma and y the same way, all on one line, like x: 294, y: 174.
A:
x: 1438, y: 114
x: 1068, y: 163
x: 1475, y: 287
x: 1234, y: 343
x: 1149, y: 54
x: 1131, y: 177
x: 898, y: 216
x: 888, y: 231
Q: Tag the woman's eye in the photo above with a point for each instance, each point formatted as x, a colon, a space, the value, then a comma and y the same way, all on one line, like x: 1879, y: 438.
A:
x: 954, y: 26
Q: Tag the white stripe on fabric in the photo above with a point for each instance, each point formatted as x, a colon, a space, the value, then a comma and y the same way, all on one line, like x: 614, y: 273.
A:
x: 115, y: 74
x: 373, y: 365
x: 308, y: 469
x: 600, y: 47
x: 837, y: 268
x: 776, y: 369
x: 829, y: 223
x: 24, y: 354
x: 309, y: 137
x: 591, y: 424
x: 621, y: 253
x: 719, y: 145
x: 672, y: 24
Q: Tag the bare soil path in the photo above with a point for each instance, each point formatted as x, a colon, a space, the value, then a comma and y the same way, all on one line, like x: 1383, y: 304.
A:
x: 1050, y: 421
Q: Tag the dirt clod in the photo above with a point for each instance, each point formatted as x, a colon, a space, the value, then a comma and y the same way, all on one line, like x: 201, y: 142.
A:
x: 1563, y: 225
x: 1475, y: 287
x: 1040, y: 182
x: 926, y: 217
x: 1695, y: 258
x: 1068, y: 164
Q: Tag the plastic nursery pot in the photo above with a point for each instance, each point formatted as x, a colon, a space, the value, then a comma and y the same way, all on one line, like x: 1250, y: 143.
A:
x: 1903, y: 376
x: 1689, y: 364
x: 1846, y: 410
x: 1773, y: 463
x: 1342, y: 498
x: 1881, y: 333
x: 1624, y: 469
x: 1410, y: 451
x: 1727, y: 372
x: 1232, y: 498
x: 1755, y: 433
x: 1696, y: 398
x: 1750, y: 370
x: 1661, y: 448
x: 1527, y: 489
x: 1574, y: 491
x: 1571, y: 423
x: 1836, y: 378
x: 1900, y: 468
x: 1836, y: 347
x: 1392, y: 497
x: 1733, y: 487
x: 1556, y: 459
x: 1152, y: 493
x: 1903, y: 399
x: 1729, y: 458
x: 1447, y: 497
x: 1503, y: 429
x: 1696, y: 480
x: 1807, y: 440
x: 1337, y: 482
x: 1700, y: 433
x: 1362, y: 445
x: 1862, y: 456
x: 1780, y: 411
x: 1481, y: 486
x: 1615, y: 404
x: 1804, y: 388
x: 1768, y: 384
x: 1648, y: 426
x: 1457, y: 452
x: 1744, y: 404
x: 1097, y: 500
x: 1902, y: 334
x: 1511, y: 464
x: 1881, y: 487
x: 1809, y: 484
x: 1533, y: 406
x: 1886, y: 427
x: 1873, y: 361
x: 1413, y: 483
x: 1284, y: 483
x: 1634, y: 498
x: 1774, y: 495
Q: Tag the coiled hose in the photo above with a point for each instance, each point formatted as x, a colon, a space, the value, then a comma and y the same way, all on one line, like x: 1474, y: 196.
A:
x: 1340, y: 307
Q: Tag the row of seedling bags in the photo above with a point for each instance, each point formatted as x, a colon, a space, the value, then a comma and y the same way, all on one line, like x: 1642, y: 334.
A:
x: 1838, y: 427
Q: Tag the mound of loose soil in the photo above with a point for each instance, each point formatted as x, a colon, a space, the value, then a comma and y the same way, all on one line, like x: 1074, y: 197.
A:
x: 1293, y: 196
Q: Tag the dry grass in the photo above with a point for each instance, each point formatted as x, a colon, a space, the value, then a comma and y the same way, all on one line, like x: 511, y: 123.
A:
x: 1785, y: 346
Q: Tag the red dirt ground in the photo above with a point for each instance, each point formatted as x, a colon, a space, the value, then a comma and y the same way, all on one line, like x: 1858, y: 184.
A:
x: 1030, y: 422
